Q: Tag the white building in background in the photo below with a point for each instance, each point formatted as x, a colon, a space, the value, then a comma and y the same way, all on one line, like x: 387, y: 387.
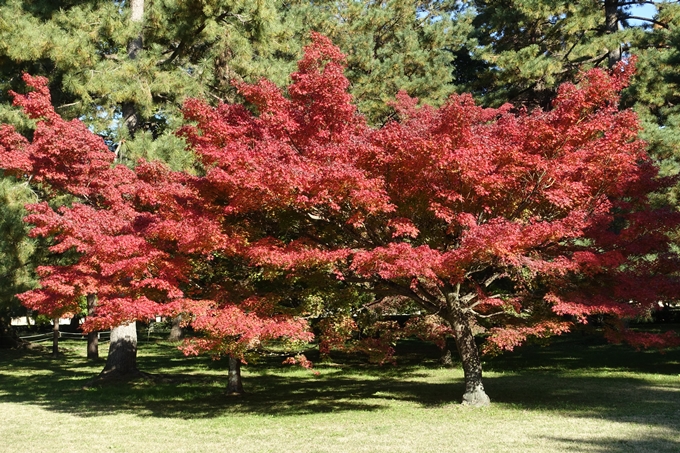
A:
x: 23, y: 321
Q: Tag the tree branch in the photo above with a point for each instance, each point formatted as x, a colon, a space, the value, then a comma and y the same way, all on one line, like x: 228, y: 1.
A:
x: 646, y: 19
x: 184, y: 42
x: 423, y: 299
x: 495, y: 296
x: 490, y: 315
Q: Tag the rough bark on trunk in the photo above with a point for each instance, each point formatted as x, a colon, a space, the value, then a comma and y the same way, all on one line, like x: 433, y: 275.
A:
x: 122, y: 358
x: 130, y: 113
x: 234, y: 384
x: 472, y: 365
x: 611, y: 12
x: 92, y: 337
x: 55, y: 337
x: 176, y: 331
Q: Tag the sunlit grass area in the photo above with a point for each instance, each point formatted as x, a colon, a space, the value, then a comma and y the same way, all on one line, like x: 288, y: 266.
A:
x: 577, y: 395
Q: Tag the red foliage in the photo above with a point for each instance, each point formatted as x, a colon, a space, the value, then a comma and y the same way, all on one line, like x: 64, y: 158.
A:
x: 137, y: 234
x: 229, y: 330
x: 523, y: 221
x: 63, y: 154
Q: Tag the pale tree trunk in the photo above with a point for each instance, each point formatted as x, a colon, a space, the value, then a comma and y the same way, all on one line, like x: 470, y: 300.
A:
x: 136, y: 17
x: 121, y: 360
x: 611, y: 13
x: 122, y: 357
x: 472, y: 365
x: 234, y: 384
x: 55, y: 337
x: 176, y: 331
x: 130, y: 114
x: 92, y: 337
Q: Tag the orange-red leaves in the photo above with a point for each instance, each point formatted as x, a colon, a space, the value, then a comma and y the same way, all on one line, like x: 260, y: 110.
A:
x: 508, y: 338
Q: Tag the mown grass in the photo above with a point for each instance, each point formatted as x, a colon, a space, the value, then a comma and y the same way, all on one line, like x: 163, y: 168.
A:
x: 578, y: 395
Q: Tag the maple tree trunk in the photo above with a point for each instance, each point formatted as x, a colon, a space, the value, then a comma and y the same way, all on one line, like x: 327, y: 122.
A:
x: 472, y: 365
x: 92, y: 337
x: 55, y: 337
x: 122, y: 357
x: 93, y: 346
x: 234, y: 384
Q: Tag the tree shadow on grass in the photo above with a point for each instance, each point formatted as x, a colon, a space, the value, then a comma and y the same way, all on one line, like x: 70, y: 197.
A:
x: 534, y: 380
x: 583, y: 352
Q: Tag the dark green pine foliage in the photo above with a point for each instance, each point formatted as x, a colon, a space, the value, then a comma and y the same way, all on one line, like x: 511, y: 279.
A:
x: 190, y: 48
x: 522, y: 50
x: 195, y: 48
x: 390, y: 45
x: 655, y: 92
x: 16, y: 249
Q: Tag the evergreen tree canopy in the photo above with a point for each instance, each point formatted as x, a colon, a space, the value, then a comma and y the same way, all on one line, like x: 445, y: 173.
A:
x: 390, y: 46
x: 16, y: 249
x: 523, y: 50
x: 190, y: 48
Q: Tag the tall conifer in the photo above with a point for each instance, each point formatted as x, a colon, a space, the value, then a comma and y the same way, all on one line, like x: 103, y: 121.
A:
x: 390, y: 45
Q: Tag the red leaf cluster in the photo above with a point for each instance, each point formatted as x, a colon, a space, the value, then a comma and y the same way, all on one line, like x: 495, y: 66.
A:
x: 137, y: 235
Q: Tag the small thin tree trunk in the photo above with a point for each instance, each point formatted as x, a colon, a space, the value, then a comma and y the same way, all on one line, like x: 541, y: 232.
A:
x: 136, y: 16
x: 234, y: 385
x: 472, y: 365
x: 176, y: 331
x: 122, y: 358
x: 92, y: 337
x: 55, y: 337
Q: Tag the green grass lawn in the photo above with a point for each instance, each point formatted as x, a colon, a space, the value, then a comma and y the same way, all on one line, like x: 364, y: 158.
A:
x: 578, y: 395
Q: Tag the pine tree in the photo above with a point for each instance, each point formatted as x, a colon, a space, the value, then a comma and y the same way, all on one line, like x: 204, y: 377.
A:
x: 523, y: 50
x: 390, y: 46
x: 16, y: 252
x: 655, y: 92
x: 187, y: 48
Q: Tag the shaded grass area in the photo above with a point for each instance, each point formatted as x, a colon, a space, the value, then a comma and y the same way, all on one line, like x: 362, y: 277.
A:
x: 578, y: 394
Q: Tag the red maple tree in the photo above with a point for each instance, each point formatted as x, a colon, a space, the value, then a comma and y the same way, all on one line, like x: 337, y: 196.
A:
x: 514, y: 223
x: 137, y: 233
